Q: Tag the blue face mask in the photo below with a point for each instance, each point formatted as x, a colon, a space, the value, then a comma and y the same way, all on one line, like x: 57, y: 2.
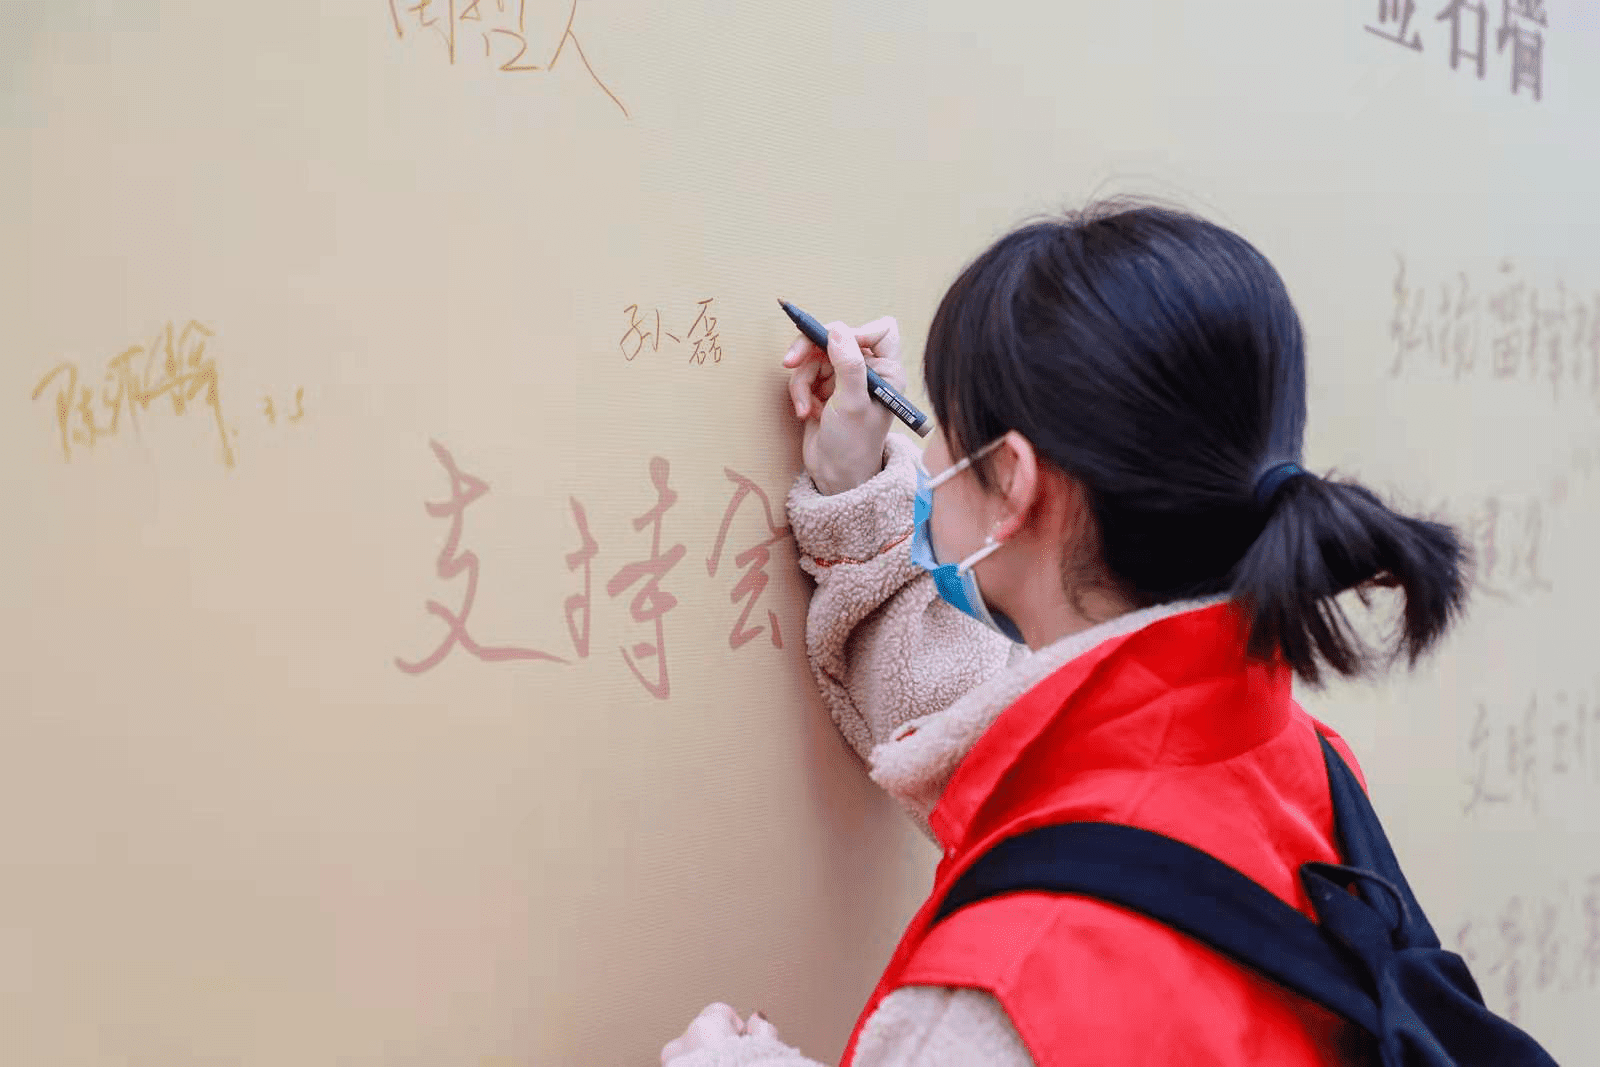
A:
x: 956, y: 582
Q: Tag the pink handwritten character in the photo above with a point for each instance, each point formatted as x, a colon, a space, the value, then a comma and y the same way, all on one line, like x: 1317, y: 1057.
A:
x: 1405, y: 327
x: 1522, y: 757
x: 1589, y: 953
x: 577, y: 602
x: 1547, y: 946
x: 1478, y: 781
x: 464, y: 489
x: 651, y: 603
x: 753, y: 582
x: 1508, y: 967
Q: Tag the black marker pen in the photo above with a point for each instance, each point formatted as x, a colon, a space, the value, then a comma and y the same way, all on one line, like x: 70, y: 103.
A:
x: 877, y: 388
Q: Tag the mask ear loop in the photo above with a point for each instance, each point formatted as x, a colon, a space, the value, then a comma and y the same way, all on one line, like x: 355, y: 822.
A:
x: 961, y: 464
x: 990, y: 546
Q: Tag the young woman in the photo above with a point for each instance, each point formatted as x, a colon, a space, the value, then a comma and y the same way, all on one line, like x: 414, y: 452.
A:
x: 1086, y: 601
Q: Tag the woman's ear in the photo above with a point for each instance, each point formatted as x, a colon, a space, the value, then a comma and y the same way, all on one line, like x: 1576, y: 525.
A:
x: 1018, y: 475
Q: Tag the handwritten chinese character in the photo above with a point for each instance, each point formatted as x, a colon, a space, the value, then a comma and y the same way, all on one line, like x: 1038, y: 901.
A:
x: 1506, y: 308
x: 706, y: 344
x: 464, y: 489
x: 1404, y: 326
x: 186, y: 371
x: 1522, y: 753
x: 651, y: 603
x: 579, y: 602
x: 1454, y: 12
x: 1477, y: 782
x: 1466, y: 941
x: 1550, y: 325
x: 1547, y: 946
x: 1508, y: 964
x: 634, y: 324
x: 1481, y: 529
x: 1460, y: 338
x: 1518, y: 19
x: 754, y: 580
x: 1559, y: 736
x: 503, y: 36
x: 1526, y: 562
x: 1397, y: 13
x: 1589, y: 951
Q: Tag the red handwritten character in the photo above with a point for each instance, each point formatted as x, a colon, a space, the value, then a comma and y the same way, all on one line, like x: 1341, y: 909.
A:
x: 753, y: 582
x: 1551, y: 326
x: 464, y: 489
x: 1547, y: 946
x: 1482, y: 529
x: 1559, y: 736
x: 1466, y: 940
x: 1589, y: 953
x: 1508, y: 966
x: 1460, y: 337
x: 1580, y: 736
x: 1522, y: 754
x: 577, y: 602
x: 1505, y: 307
x: 651, y: 603
x: 1478, y: 781
x: 1591, y: 344
x: 1525, y: 561
x: 1405, y: 327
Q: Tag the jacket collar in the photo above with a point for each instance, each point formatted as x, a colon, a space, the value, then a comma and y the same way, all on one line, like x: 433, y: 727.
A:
x: 922, y: 758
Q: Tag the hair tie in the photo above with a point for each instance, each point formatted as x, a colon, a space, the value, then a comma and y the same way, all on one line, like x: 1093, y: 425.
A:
x: 1268, y: 484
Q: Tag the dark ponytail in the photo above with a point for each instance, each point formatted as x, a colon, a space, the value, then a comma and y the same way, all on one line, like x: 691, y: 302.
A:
x: 1323, y: 538
x: 1157, y: 359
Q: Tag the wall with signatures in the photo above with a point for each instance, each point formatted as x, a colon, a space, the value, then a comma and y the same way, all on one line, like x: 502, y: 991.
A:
x: 406, y: 644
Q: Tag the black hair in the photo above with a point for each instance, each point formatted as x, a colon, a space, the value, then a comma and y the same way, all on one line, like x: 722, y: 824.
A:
x: 1156, y: 358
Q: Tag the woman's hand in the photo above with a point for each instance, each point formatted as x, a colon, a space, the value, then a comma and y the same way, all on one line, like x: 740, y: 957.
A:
x: 718, y: 1023
x: 843, y: 441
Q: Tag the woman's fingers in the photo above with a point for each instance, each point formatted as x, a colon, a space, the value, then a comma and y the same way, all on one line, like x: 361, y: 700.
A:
x: 880, y: 337
x: 810, y: 387
x: 849, y: 366
x: 801, y: 349
x: 816, y: 372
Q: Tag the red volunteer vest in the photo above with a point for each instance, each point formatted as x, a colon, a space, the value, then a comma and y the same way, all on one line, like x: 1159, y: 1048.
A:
x: 1174, y: 729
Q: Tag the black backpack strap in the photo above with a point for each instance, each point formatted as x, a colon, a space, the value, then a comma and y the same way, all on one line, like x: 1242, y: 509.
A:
x: 1364, y: 846
x: 1186, y: 889
x: 1373, y: 959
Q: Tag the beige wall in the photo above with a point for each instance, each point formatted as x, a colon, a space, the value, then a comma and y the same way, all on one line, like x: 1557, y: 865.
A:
x: 235, y: 830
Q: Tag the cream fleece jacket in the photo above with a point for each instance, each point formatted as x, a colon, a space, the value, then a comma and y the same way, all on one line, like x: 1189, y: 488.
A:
x: 911, y: 683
